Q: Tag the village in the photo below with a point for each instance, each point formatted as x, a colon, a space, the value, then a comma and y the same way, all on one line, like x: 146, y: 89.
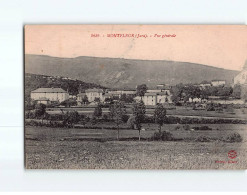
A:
x: 179, y: 118
x: 161, y: 94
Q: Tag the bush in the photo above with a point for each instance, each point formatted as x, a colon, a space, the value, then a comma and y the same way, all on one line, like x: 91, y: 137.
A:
x: 177, y: 127
x: 148, y: 119
x: 125, y: 118
x: 164, y: 136
x: 234, y: 137
x: 30, y: 115
x: 202, y: 128
x: 56, y: 117
x: 186, y: 127
x: 210, y: 107
x: 203, y: 138
x: 105, y: 117
x: 187, y: 120
x: 93, y: 120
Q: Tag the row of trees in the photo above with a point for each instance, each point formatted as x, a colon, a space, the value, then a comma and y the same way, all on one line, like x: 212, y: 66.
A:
x: 118, y: 111
x: 184, y: 92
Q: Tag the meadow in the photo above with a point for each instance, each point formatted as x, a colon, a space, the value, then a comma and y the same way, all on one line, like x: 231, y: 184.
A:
x: 62, y: 148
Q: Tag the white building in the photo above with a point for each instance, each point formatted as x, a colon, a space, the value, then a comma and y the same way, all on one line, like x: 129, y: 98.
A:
x: 49, y: 94
x: 197, y: 100
x: 241, y: 78
x: 119, y: 92
x: 205, y: 85
x: 94, y: 93
x: 217, y: 83
x: 154, y: 90
x: 150, y: 99
x: 156, y: 98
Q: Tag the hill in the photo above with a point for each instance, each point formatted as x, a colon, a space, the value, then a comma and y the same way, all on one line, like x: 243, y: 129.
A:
x: 73, y: 86
x: 118, y: 72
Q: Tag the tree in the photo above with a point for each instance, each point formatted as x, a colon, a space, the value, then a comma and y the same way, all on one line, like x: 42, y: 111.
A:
x: 127, y: 98
x: 177, y: 93
x: 192, y: 92
x: 244, y: 93
x: 109, y: 100
x: 225, y: 91
x: 98, y: 111
x: 70, y: 118
x: 117, y: 111
x: 85, y: 99
x: 97, y: 99
x: 141, y: 90
x: 237, y: 91
x: 160, y: 116
x: 69, y: 102
x: 139, y: 111
x: 40, y: 109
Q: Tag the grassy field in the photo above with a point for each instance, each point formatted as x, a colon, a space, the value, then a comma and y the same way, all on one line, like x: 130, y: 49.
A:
x: 179, y: 111
x: 54, y: 148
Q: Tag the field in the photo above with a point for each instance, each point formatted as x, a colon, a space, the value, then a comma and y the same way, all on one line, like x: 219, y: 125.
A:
x: 61, y: 148
x: 180, y: 111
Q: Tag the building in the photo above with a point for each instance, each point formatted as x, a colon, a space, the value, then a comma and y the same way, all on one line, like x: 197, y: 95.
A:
x: 94, y: 93
x: 216, y: 83
x: 119, y: 92
x: 154, y: 90
x: 241, y: 78
x: 80, y: 98
x: 49, y: 94
x: 150, y: 99
x: 160, y: 88
x: 197, y: 100
x: 156, y: 98
x: 163, y: 86
x: 106, y: 97
x: 43, y: 100
x: 205, y: 85
x: 164, y: 97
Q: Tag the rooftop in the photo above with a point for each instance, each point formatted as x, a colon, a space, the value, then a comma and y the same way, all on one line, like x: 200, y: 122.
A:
x: 49, y: 90
x: 94, y: 90
x: 81, y: 94
x: 218, y: 80
x: 150, y: 94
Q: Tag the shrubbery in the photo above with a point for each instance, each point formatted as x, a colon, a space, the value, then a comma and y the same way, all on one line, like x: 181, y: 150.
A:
x: 148, y: 119
x: 164, y: 136
x: 234, y: 137
x: 186, y: 127
x: 190, y: 120
x: 125, y: 118
x: 202, y: 128
x: 203, y: 138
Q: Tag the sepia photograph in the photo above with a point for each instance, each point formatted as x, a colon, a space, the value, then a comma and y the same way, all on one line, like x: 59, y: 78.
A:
x: 151, y: 97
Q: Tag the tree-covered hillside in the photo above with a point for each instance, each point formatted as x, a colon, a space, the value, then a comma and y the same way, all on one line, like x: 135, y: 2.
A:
x: 73, y: 86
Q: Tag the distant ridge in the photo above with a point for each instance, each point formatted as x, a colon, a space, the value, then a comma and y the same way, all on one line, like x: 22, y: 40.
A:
x: 119, y: 72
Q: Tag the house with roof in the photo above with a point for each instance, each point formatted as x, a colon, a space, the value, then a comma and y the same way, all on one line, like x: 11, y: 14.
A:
x: 160, y: 88
x: 150, y: 99
x: 216, y: 83
x: 119, y: 92
x: 156, y: 98
x: 94, y: 93
x: 46, y: 95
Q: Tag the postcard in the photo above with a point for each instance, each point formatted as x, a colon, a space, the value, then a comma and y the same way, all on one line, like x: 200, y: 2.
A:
x: 135, y: 97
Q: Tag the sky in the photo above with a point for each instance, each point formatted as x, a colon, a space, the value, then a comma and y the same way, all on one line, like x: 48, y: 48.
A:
x: 223, y: 46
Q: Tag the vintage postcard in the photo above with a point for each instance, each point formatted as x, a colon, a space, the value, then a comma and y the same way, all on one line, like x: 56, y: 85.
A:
x: 135, y: 96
